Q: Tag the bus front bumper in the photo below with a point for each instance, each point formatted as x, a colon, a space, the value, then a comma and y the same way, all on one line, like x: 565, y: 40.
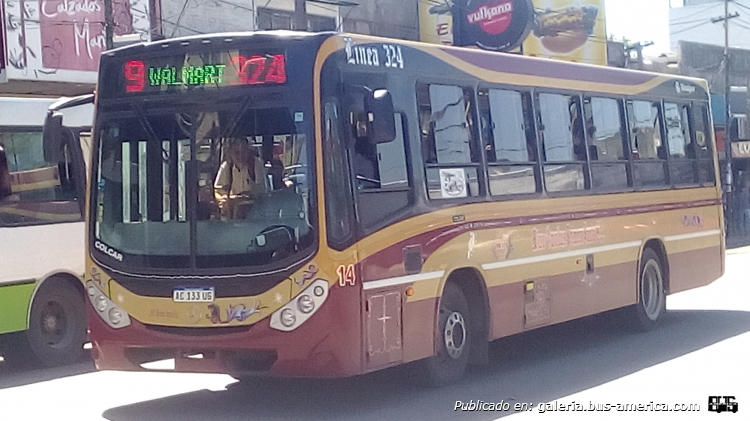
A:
x: 327, y: 345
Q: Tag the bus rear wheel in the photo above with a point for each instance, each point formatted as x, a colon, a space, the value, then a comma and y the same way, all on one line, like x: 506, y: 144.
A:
x: 57, y: 327
x: 453, y: 336
x: 651, y: 293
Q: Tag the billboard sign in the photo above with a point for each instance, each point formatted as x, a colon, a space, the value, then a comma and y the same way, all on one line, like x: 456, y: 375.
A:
x: 571, y: 30
x: 498, y: 25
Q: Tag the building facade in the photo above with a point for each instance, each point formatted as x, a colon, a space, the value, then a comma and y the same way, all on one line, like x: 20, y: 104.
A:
x: 390, y: 18
x: 52, y: 47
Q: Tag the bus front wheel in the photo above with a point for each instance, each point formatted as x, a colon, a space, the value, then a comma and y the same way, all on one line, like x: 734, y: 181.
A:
x: 57, y: 327
x: 452, y: 339
x: 651, y: 293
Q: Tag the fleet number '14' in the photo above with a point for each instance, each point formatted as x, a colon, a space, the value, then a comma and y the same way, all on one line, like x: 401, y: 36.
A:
x: 346, y: 275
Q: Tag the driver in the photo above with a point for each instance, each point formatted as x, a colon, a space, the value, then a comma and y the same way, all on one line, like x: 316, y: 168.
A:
x: 237, y: 182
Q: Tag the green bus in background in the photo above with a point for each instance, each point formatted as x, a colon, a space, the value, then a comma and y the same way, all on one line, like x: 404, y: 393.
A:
x: 42, y: 180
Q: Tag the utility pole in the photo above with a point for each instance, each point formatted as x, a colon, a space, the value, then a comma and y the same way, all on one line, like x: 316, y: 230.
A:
x: 109, y: 25
x: 299, y: 21
x: 729, y: 211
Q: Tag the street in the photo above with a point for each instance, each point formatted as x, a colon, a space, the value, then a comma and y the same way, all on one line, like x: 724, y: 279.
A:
x: 699, y: 350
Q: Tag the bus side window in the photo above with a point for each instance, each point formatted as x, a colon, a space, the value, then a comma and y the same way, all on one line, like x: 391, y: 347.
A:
x: 381, y: 166
x: 648, y: 149
x: 607, y: 143
x: 449, y: 141
x: 564, y: 143
x: 42, y: 191
x: 703, y: 144
x: 682, y: 163
x: 338, y: 183
x: 382, y: 178
x: 511, y: 149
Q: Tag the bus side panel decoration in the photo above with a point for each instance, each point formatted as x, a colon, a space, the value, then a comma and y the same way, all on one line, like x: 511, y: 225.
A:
x: 383, y: 329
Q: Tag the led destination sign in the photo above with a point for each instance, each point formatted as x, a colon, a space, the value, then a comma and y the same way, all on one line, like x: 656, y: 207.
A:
x: 219, y: 70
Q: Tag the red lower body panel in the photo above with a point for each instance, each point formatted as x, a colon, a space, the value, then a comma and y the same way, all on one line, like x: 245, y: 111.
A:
x: 327, y: 345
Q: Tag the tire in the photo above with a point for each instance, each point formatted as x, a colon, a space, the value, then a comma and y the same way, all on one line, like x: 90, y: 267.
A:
x: 651, y: 292
x: 453, y: 335
x: 57, y: 328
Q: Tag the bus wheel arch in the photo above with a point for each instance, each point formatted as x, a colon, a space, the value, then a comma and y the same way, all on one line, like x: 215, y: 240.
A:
x: 474, y: 288
x: 461, y: 328
x: 658, y: 247
x: 56, y: 322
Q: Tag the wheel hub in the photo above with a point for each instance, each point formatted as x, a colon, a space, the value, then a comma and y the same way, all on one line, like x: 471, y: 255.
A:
x: 53, y: 323
x: 455, y: 335
x: 50, y: 323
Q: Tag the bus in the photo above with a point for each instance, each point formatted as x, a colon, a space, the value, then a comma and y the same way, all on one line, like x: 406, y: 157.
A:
x: 295, y: 204
x: 42, y: 235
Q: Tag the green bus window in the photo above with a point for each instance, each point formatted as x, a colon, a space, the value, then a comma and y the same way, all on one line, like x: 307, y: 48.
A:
x: 42, y: 191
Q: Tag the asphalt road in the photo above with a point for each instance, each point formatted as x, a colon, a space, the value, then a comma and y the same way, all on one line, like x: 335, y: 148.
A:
x: 701, y: 349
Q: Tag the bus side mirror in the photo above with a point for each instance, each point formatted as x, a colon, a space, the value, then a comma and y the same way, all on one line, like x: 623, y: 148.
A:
x: 381, y: 121
x: 53, y: 138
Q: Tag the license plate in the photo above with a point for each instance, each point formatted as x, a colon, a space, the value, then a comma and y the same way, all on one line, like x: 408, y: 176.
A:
x: 193, y: 295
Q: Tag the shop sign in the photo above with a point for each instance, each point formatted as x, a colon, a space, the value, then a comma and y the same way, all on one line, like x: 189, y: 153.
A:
x: 498, y: 25
x: 740, y: 149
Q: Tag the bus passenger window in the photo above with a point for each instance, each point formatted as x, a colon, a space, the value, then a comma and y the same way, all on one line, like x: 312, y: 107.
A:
x: 508, y: 129
x: 564, y: 142
x: 607, y: 144
x: 683, y: 167
x: 647, y: 148
x: 703, y: 144
x: 449, y: 141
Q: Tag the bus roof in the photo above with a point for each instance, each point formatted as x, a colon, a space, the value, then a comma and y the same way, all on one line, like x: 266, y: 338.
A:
x: 488, y: 65
x: 31, y: 112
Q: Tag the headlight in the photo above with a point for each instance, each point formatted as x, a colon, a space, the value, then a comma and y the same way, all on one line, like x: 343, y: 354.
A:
x: 109, y: 311
x: 301, y: 308
x: 305, y: 304
x: 101, y: 303
x: 115, y: 315
x: 288, y: 318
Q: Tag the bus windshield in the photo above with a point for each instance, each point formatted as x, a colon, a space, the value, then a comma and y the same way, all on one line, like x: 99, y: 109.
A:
x: 209, y: 186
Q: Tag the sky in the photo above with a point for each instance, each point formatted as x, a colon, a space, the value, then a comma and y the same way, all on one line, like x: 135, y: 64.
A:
x: 640, y: 20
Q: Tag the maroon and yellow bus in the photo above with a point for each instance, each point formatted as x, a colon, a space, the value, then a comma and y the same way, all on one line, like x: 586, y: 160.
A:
x: 329, y: 205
